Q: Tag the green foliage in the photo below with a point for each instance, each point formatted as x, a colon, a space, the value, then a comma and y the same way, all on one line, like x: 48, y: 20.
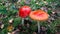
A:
x: 17, y: 21
x: 12, y: 13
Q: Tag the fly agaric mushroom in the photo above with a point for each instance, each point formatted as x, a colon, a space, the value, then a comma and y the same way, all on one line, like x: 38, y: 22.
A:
x: 39, y: 15
x: 24, y: 11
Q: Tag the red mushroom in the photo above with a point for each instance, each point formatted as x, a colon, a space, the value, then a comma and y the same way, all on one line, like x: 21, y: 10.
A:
x: 39, y: 15
x: 24, y: 11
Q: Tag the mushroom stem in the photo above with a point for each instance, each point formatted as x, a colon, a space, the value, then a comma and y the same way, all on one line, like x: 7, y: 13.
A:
x: 38, y: 27
x: 22, y: 21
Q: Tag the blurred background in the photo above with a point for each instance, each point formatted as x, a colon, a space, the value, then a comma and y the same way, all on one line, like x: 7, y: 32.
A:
x: 10, y: 22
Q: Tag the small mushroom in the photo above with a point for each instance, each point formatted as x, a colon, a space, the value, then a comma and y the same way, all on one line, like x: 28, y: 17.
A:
x: 39, y: 15
x: 24, y: 11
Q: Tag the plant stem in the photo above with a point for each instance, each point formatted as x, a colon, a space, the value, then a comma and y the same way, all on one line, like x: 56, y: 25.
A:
x: 22, y: 21
x: 38, y: 27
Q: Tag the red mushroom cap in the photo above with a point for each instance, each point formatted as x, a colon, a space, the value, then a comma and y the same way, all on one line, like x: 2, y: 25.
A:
x: 24, y: 11
x: 39, y: 15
